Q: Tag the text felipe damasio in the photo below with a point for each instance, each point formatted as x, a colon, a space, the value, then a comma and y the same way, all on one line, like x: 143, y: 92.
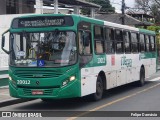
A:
x: 143, y: 114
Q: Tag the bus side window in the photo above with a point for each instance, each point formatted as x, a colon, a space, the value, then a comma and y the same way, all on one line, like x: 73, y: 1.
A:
x: 110, y: 43
x: 134, y: 42
x: 126, y: 37
x: 147, y: 42
x: 152, y: 43
x: 99, y: 39
x: 142, y: 44
x: 119, y: 41
x: 83, y: 47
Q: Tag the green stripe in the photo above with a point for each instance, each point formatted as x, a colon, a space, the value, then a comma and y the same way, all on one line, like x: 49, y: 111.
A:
x: 147, y: 31
x: 3, y: 72
x: 148, y: 55
x: 4, y: 82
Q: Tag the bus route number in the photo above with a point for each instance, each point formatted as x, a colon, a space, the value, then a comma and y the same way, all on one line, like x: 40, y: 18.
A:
x: 101, y: 60
x: 23, y: 82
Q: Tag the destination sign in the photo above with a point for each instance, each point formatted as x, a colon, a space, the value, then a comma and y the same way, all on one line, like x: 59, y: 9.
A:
x: 46, y: 21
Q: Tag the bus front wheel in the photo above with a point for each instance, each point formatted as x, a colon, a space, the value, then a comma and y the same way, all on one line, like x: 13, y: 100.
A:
x: 99, y: 90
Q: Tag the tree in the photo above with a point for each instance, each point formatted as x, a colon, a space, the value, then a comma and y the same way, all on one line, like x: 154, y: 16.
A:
x: 158, y: 2
x: 154, y: 28
x: 151, y: 7
x: 144, y: 5
x: 106, y: 6
x: 155, y: 12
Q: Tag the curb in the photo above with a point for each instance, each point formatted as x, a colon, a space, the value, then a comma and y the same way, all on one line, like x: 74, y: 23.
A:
x: 13, y: 101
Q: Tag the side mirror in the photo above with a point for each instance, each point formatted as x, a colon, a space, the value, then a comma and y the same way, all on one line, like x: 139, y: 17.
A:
x: 3, y: 41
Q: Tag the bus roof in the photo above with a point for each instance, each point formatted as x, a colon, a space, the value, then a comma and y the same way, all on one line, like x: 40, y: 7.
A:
x: 93, y: 20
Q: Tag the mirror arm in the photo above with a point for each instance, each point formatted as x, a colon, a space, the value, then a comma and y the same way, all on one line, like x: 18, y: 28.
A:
x: 5, y: 32
x: 8, y: 52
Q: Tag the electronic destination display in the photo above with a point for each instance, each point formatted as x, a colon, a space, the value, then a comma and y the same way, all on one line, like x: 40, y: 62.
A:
x: 45, y: 21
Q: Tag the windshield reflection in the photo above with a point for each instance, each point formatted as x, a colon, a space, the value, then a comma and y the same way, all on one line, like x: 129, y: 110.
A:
x: 48, y: 49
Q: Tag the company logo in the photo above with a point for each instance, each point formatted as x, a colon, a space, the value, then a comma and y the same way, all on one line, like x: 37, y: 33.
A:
x: 21, y: 114
x: 37, y: 75
x: 126, y: 62
x: 6, y: 114
x: 37, y: 82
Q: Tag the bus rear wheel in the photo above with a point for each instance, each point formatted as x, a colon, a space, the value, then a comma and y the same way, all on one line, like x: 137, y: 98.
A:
x: 99, y: 90
x: 141, y: 82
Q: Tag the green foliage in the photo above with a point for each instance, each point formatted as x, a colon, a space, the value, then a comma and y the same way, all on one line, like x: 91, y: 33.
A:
x: 154, y: 28
x: 157, y: 30
x: 106, y: 6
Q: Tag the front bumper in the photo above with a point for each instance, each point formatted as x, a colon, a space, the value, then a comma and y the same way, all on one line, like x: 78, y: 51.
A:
x: 69, y: 91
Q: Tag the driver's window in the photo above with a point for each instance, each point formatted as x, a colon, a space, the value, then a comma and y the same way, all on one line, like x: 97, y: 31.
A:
x: 84, y: 42
x: 18, y: 45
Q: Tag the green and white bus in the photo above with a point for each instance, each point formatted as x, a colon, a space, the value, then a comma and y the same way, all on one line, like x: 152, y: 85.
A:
x: 55, y: 56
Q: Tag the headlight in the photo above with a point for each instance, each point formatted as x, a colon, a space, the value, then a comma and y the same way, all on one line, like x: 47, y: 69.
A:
x: 10, y: 78
x: 72, y: 78
x: 65, y: 82
x: 14, y: 82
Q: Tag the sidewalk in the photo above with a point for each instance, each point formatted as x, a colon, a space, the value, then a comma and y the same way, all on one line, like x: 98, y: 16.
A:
x: 6, y: 99
x: 4, y: 94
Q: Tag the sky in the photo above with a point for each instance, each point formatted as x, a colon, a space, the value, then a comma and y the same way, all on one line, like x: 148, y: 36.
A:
x: 117, y: 4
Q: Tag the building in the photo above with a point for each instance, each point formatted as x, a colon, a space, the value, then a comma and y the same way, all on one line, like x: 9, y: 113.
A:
x: 16, y: 7
x: 141, y: 16
x: 117, y: 18
x: 34, y: 6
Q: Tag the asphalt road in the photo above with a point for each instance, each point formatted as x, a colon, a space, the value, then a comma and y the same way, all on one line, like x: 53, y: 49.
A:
x: 116, y: 102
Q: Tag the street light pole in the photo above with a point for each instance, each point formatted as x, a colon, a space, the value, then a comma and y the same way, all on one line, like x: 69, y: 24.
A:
x: 39, y: 6
x: 55, y: 6
x: 123, y: 12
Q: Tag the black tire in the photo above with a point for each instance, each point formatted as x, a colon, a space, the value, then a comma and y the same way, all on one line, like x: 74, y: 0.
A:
x: 99, y: 90
x: 141, y: 82
x: 46, y: 100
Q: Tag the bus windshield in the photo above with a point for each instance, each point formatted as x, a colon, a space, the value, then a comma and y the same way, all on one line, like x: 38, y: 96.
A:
x: 43, y: 49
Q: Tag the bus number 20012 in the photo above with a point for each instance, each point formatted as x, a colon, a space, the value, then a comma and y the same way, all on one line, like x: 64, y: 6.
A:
x: 24, y: 82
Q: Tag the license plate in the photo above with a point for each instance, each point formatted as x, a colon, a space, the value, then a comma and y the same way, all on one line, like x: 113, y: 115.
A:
x: 37, y: 92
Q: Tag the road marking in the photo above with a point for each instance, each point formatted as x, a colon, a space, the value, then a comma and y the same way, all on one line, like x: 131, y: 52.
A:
x: 155, y: 79
x: 115, y: 101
